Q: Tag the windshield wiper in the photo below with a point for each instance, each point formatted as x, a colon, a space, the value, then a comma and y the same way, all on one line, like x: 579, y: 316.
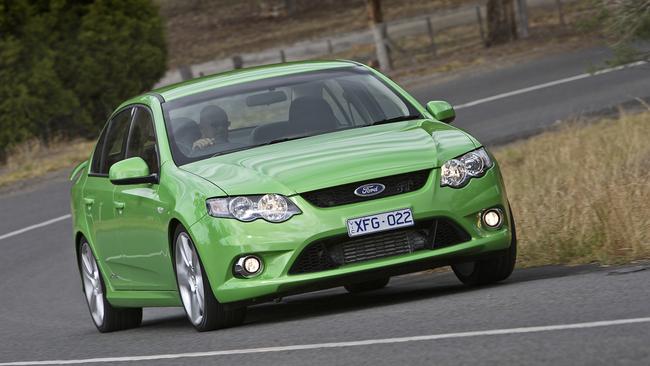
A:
x: 283, y: 139
x: 230, y: 151
x: 396, y: 119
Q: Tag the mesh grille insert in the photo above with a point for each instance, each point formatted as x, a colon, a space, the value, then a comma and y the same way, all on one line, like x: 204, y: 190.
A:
x: 334, y: 252
x: 344, y: 194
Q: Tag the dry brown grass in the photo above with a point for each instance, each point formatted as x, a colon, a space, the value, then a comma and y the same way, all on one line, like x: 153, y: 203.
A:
x: 34, y: 159
x: 460, y: 49
x: 202, y: 30
x: 582, y: 194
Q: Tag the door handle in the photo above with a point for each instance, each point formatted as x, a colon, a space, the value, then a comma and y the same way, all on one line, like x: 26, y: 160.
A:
x: 89, y: 201
x: 118, y: 205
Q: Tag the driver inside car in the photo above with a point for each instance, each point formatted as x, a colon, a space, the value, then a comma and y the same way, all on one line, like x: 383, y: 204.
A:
x: 214, y: 125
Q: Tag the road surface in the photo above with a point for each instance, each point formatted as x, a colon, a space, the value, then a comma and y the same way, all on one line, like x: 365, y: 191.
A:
x: 560, y: 315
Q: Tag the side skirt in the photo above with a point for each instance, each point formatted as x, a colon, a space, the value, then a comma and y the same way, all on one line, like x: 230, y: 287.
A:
x: 139, y: 299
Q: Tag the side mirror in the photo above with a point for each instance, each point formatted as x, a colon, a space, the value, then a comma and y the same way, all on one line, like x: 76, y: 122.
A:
x: 131, y: 171
x: 442, y: 111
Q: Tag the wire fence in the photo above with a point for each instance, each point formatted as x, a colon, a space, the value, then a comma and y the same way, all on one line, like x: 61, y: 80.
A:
x: 407, y: 39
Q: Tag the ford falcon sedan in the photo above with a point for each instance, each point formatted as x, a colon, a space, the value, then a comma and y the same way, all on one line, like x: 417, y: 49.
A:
x: 247, y: 186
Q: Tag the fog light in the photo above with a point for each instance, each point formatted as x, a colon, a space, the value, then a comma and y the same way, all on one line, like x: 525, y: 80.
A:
x: 492, y: 218
x: 248, y: 266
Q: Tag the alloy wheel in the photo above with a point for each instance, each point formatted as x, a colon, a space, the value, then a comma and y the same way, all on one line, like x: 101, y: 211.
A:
x: 190, y: 279
x: 92, y: 284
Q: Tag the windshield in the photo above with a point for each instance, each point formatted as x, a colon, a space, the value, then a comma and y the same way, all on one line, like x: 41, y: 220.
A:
x: 278, y: 109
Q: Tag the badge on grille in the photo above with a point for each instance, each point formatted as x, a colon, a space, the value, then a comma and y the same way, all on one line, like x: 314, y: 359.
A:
x: 369, y: 190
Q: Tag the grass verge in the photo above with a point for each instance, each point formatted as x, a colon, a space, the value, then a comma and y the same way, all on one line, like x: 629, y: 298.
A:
x: 34, y: 159
x: 581, y: 194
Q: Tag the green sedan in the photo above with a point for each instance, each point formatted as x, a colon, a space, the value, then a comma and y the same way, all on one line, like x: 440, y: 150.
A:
x: 247, y: 186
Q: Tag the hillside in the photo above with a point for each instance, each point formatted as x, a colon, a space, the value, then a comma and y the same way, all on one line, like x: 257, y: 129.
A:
x: 201, y: 30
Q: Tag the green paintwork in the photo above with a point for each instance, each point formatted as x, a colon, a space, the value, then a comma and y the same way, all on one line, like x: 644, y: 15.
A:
x: 81, y: 166
x: 129, y: 226
x: 244, y: 75
x: 442, y: 111
x: 304, y: 165
x: 128, y: 168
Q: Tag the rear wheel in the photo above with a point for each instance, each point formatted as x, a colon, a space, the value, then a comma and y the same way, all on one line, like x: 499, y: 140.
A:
x: 202, y: 308
x: 372, y: 285
x: 490, y: 270
x: 106, y: 317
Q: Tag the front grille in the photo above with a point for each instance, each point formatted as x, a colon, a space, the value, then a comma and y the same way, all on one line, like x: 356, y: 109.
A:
x: 337, y: 251
x: 344, y: 194
x: 314, y: 258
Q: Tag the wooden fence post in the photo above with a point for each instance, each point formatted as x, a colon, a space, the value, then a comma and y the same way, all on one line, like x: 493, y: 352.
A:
x: 431, y: 36
x: 237, y: 62
x: 522, y: 10
x: 186, y: 72
x: 560, y: 12
x: 479, y: 18
x: 379, y: 34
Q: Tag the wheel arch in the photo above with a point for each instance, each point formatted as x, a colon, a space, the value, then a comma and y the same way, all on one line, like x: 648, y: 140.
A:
x: 174, y: 223
x: 78, y: 237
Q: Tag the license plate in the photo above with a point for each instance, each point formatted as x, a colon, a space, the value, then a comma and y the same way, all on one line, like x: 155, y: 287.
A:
x: 380, y: 222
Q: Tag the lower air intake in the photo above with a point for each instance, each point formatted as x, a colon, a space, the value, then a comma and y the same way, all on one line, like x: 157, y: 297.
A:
x: 337, y: 251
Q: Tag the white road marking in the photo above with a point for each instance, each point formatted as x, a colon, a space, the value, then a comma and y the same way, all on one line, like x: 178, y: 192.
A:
x: 368, y: 342
x: 35, y: 226
x: 547, y: 85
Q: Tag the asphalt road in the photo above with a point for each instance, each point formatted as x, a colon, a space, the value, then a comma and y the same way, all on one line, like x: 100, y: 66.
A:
x: 43, y: 315
x: 527, y: 113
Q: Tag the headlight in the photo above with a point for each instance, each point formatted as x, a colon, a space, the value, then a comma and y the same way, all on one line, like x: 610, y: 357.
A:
x: 457, y: 172
x: 270, y: 207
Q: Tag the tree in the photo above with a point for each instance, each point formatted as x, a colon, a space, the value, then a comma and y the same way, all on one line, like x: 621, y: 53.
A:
x: 121, y: 53
x: 32, y: 96
x: 379, y: 32
x: 65, y: 64
x: 625, y: 23
x: 501, y: 22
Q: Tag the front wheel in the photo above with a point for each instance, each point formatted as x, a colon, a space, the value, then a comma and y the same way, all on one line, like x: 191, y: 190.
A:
x: 203, y: 310
x: 491, y: 270
x: 106, y: 317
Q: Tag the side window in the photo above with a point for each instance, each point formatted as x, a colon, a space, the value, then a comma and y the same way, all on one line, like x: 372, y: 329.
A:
x: 142, y: 139
x: 113, y: 149
x: 97, y: 155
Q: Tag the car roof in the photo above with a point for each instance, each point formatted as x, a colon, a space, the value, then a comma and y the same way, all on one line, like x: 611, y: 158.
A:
x: 201, y: 84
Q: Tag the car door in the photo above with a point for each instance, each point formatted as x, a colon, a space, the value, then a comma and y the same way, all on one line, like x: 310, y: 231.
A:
x: 142, y: 259
x: 97, y: 194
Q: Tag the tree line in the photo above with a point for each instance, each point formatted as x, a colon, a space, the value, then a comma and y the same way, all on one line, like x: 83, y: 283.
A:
x: 65, y: 64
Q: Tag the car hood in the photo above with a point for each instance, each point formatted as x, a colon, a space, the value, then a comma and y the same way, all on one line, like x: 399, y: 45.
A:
x: 335, y: 158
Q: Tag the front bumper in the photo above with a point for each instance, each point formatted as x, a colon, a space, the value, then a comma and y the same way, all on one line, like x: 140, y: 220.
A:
x: 221, y: 241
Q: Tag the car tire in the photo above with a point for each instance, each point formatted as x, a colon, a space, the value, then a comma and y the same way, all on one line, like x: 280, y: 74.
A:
x: 355, y: 288
x: 106, y: 317
x: 203, y: 310
x: 490, y: 270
